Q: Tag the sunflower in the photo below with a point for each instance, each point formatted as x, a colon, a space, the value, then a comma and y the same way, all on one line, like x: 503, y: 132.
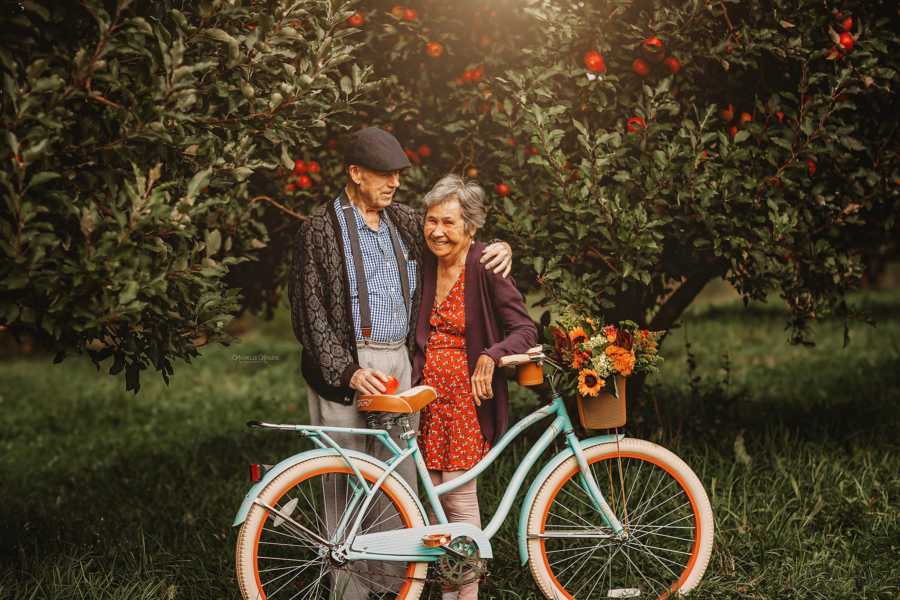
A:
x: 589, y: 384
x: 577, y: 336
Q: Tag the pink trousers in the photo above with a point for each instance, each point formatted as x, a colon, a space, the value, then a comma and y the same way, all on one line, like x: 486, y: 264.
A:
x: 460, y: 505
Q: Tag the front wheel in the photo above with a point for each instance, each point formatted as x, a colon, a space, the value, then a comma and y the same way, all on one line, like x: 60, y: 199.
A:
x: 657, y: 497
x: 276, y: 559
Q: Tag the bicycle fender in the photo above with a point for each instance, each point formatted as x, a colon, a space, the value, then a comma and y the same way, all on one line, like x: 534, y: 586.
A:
x: 289, y: 462
x: 541, y: 477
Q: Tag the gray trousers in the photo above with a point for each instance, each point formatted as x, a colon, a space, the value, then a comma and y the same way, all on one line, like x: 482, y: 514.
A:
x: 360, y: 578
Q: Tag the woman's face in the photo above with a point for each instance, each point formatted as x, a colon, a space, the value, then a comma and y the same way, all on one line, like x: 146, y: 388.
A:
x: 445, y: 231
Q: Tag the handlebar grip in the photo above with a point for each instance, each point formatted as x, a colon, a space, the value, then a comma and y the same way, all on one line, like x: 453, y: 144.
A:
x: 254, y: 424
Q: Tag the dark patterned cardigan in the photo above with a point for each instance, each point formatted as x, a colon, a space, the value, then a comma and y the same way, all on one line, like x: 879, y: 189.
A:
x: 319, y: 293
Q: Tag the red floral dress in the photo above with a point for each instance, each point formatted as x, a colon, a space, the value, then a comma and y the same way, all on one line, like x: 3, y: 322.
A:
x: 449, y: 433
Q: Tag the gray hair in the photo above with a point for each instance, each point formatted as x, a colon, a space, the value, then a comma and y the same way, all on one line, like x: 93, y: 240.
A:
x: 469, y: 194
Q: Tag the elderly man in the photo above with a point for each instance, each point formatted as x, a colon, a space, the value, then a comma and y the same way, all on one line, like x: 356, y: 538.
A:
x: 354, y: 292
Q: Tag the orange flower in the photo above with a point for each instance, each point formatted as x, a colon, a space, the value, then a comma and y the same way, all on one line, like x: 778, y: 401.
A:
x: 589, y: 384
x: 577, y: 336
x: 622, y: 360
x: 579, y: 358
x: 610, y: 332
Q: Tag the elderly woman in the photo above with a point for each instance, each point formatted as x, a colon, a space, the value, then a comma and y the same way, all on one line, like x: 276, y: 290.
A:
x: 469, y: 319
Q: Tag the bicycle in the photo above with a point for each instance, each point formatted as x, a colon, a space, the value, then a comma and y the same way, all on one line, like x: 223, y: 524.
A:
x: 608, y: 516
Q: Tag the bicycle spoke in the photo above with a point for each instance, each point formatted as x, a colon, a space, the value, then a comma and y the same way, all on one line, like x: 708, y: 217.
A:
x: 659, y: 518
x: 642, y: 576
x: 292, y: 536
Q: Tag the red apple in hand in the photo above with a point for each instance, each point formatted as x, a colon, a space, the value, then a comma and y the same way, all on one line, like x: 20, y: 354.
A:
x: 391, y: 385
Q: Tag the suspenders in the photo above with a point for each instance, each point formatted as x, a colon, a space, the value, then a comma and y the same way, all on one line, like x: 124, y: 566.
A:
x: 362, y: 287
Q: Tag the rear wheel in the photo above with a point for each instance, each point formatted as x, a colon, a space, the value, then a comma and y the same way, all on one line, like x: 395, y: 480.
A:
x: 661, y: 502
x: 276, y: 560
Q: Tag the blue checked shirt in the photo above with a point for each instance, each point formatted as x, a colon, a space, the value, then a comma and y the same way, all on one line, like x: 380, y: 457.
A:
x: 390, y: 321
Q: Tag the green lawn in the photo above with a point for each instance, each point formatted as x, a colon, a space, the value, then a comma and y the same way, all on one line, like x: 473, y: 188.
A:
x: 108, y: 495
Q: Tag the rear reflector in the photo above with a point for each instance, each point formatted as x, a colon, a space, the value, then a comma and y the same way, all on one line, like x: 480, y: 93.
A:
x: 256, y: 472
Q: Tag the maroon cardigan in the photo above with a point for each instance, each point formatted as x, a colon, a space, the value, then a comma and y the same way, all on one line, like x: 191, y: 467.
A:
x: 497, y: 324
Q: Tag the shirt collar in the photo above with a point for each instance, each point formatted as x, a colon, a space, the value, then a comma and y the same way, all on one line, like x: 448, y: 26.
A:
x: 360, y: 222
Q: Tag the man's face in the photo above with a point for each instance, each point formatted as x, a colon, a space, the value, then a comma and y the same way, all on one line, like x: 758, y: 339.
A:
x: 376, y: 188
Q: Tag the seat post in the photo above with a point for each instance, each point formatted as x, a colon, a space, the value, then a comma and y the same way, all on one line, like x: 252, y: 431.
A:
x: 405, y: 427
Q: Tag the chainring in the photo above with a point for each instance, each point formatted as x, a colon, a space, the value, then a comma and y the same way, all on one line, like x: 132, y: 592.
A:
x: 461, y: 564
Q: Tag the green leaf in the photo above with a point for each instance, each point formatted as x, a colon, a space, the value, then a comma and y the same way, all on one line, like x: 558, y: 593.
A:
x: 42, y: 177
x: 198, y: 182
x: 129, y: 293
x: 741, y: 136
x: 213, y: 242
x: 346, y: 85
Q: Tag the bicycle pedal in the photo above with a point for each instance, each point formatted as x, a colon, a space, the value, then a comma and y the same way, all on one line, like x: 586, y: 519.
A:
x: 436, y: 540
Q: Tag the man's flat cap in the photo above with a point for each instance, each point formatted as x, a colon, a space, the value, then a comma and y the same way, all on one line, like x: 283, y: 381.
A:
x: 374, y: 149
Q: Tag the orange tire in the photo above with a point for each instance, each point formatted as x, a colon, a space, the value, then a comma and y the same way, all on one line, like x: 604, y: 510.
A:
x: 274, y: 562
x: 667, y: 516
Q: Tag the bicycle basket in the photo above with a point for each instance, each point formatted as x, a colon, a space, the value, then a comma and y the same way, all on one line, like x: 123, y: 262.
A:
x: 604, y: 410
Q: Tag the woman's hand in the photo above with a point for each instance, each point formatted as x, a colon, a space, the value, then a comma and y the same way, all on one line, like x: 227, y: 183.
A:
x: 481, y: 379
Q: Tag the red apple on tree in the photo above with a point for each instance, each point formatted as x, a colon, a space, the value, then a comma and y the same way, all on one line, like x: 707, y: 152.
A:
x: 727, y: 113
x: 811, y: 167
x: 356, y: 19
x: 593, y: 62
x: 635, y: 124
x: 305, y: 182
x: 502, y: 189
x: 410, y: 14
x: 434, y: 49
x: 654, y: 49
x: 299, y: 167
x: 424, y: 151
x: 673, y: 64
x: 313, y: 167
x: 397, y: 11
x: 845, y: 41
x: 640, y: 67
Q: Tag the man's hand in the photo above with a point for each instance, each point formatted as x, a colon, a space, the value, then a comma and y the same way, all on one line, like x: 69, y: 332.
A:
x: 369, y: 381
x: 481, y: 379
x: 498, y: 258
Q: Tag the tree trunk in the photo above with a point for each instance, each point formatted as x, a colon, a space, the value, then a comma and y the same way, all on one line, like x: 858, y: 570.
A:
x: 672, y: 309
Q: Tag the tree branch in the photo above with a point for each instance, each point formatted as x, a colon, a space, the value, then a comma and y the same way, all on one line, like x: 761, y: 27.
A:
x: 681, y: 298
x: 279, y: 206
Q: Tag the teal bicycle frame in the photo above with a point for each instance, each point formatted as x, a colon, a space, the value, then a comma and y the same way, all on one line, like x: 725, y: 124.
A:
x: 405, y: 545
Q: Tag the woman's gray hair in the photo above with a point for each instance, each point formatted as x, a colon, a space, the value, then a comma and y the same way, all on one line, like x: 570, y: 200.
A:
x: 469, y: 194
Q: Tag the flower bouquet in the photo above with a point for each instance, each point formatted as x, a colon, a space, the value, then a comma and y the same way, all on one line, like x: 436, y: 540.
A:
x: 596, y: 358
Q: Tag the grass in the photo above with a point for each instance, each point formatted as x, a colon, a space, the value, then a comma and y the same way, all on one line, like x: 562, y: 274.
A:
x: 107, y: 495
